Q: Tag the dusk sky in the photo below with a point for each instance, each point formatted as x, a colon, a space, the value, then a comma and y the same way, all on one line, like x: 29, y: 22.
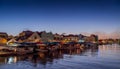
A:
x: 59, y: 16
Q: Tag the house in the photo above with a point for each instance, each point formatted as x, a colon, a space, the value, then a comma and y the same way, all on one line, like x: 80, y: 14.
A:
x: 11, y: 41
x: 58, y: 38
x: 70, y: 37
x: 46, y: 36
x: 35, y: 37
x: 2, y: 41
x: 29, y: 36
x: 3, y: 37
x: 92, y: 38
x: 81, y: 38
x: 23, y: 36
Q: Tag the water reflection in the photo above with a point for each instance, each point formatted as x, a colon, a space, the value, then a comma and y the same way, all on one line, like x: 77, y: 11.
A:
x: 101, y: 57
x: 44, y: 57
x: 109, y: 51
x: 8, y: 60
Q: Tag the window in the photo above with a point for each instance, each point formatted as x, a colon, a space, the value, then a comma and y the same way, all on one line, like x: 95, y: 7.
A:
x: 35, y: 37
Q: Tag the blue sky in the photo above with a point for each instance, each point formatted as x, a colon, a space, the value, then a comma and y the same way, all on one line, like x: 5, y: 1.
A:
x: 59, y: 16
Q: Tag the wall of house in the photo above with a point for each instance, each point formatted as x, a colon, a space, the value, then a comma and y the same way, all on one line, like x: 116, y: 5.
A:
x: 58, y: 38
x: 3, y: 41
x: 45, y: 37
x: 34, y: 37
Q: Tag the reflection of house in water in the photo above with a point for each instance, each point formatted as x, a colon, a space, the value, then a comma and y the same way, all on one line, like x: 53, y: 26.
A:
x: 50, y: 57
x: 8, y: 60
x: 94, y: 51
x: 70, y: 52
x: 12, y: 60
x: 42, y: 58
x: 3, y: 60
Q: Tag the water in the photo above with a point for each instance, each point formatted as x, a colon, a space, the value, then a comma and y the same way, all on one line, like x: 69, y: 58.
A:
x: 105, y: 57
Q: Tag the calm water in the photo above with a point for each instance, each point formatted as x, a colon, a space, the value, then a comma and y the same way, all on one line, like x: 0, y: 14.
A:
x: 105, y: 57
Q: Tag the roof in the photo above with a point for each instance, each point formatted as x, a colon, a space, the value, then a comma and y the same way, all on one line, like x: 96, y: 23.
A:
x: 12, y: 40
x: 70, y: 35
x: 3, y: 33
x: 27, y: 35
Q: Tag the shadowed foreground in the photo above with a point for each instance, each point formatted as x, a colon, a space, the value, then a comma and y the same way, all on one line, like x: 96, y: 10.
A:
x: 103, y: 57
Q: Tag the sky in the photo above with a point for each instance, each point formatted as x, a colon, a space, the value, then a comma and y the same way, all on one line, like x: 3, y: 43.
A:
x: 59, y: 16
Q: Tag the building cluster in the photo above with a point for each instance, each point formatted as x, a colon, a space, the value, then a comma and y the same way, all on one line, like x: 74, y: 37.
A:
x: 43, y: 36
